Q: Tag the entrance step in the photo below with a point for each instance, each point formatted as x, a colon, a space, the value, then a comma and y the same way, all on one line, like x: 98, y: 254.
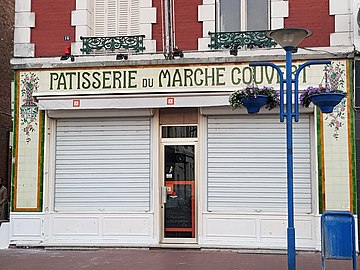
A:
x: 176, y: 246
x: 4, y: 234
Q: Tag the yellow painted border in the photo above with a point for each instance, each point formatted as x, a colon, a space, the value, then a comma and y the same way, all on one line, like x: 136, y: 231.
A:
x: 322, y: 149
x: 350, y: 154
x: 17, y: 93
x: 40, y: 127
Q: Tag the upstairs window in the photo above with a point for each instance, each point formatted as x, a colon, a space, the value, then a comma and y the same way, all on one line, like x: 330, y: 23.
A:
x: 242, y: 15
x: 116, y: 17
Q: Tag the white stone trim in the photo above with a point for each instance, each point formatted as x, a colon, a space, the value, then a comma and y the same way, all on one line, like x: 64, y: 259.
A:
x: 147, y: 18
x: 83, y: 4
x: 145, y: 3
x: 279, y: 10
x: 22, y: 35
x: 147, y: 15
x: 203, y: 43
x: 81, y: 18
x: 150, y: 45
x: 24, y: 50
x: 206, y: 15
x: 146, y: 29
x: 277, y: 23
x: 343, y: 23
x: 22, y: 5
x: 339, y: 7
x: 343, y: 12
x: 24, y: 21
x: 356, y: 26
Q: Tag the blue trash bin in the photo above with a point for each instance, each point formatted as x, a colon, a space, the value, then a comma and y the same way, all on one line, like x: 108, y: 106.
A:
x: 338, y: 236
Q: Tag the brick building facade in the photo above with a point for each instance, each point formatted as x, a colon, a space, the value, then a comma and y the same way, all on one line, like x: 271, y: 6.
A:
x: 117, y: 145
x: 7, y: 14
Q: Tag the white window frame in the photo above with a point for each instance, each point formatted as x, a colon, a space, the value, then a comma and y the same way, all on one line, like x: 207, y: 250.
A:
x: 243, y: 17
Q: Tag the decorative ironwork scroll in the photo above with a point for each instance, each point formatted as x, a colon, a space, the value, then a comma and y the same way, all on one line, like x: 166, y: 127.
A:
x: 113, y: 43
x: 240, y: 40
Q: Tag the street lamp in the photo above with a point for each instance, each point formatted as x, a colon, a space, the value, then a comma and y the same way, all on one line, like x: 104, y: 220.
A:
x: 288, y: 39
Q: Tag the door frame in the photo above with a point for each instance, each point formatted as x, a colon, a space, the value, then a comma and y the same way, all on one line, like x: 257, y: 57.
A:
x: 178, y: 141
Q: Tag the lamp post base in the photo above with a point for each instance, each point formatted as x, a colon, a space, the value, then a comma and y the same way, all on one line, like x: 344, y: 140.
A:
x: 291, y: 248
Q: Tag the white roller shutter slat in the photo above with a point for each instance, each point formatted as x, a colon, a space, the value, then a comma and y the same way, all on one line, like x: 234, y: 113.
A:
x: 102, y: 164
x: 247, y: 168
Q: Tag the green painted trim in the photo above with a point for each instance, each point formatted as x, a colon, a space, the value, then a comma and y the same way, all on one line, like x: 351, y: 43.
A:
x: 41, y: 140
x: 15, y: 145
x: 319, y: 154
x: 41, y: 167
x: 352, y: 140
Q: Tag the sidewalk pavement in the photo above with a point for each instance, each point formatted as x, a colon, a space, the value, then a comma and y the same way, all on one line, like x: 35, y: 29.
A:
x: 157, y: 259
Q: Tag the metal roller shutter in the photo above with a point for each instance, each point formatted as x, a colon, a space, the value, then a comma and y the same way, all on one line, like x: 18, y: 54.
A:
x: 102, y: 164
x: 247, y: 164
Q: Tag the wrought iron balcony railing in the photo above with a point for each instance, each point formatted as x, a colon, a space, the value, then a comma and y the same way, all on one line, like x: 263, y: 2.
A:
x: 240, y: 40
x: 112, y: 44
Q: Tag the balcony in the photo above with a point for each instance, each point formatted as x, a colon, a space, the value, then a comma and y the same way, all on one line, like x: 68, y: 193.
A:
x: 112, y: 44
x: 240, y: 40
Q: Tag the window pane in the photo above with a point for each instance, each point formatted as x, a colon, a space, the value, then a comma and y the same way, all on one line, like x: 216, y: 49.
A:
x: 230, y: 15
x: 257, y: 15
x: 179, y: 132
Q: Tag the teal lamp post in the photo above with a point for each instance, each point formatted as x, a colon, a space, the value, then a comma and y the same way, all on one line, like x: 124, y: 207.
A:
x: 289, y: 39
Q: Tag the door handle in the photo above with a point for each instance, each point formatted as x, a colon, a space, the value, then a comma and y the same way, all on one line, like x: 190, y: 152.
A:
x: 163, y: 195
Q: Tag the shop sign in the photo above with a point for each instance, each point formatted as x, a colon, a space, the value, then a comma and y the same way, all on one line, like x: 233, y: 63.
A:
x: 164, y: 79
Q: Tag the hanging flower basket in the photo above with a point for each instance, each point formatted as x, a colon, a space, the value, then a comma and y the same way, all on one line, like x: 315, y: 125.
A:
x: 253, y: 98
x: 323, y: 97
x: 254, y: 104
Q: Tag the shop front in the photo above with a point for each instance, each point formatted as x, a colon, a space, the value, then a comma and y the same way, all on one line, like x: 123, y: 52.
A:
x: 154, y: 156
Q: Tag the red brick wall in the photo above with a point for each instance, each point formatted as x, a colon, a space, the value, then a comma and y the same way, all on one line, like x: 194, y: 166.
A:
x: 52, y: 23
x: 157, y: 27
x: 313, y: 15
x: 187, y: 28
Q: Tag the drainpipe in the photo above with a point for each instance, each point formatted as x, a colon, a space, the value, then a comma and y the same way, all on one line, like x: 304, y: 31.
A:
x: 168, y: 29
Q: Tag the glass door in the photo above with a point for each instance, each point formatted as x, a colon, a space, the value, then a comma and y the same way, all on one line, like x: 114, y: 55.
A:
x: 178, y: 192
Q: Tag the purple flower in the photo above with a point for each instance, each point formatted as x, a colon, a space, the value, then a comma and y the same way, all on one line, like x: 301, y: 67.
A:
x: 305, y: 96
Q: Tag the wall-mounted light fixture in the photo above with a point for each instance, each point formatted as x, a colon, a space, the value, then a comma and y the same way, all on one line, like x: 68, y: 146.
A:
x: 66, y: 57
x: 234, y: 51
x: 122, y: 56
x: 67, y: 54
x: 178, y: 53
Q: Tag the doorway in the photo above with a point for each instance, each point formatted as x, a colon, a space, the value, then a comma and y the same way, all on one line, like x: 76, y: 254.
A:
x: 178, y: 196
